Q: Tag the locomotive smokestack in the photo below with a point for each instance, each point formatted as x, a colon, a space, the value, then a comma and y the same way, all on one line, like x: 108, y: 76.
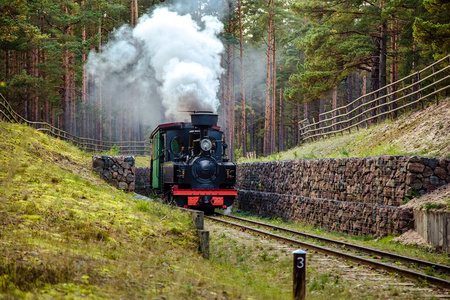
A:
x: 204, y: 120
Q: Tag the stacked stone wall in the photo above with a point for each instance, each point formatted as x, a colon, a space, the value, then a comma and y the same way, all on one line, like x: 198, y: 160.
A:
x: 348, y: 217
x: 383, y: 180
x: 116, y: 170
x: 142, y: 181
x: 354, y: 195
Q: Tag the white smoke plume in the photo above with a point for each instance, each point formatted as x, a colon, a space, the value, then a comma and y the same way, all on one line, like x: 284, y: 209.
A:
x: 168, y: 62
x: 186, y: 59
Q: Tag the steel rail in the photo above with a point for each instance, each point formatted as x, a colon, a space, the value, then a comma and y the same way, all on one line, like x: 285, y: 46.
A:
x: 371, y: 251
x: 378, y: 265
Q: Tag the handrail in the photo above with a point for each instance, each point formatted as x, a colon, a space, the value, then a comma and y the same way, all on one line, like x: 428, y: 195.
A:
x: 8, y: 114
x: 372, y: 107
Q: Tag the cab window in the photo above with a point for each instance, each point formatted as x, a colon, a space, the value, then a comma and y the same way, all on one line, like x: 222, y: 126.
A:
x: 176, y: 145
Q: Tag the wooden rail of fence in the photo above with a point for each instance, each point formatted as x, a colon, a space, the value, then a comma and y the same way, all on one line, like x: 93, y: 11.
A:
x: 388, y: 101
x: 90, y: 145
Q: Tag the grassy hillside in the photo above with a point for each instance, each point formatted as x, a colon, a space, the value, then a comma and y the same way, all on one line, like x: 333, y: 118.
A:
x: 65, y: 233
x: 422, y: 132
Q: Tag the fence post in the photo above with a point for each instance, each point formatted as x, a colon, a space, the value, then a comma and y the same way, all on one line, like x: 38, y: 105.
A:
x: 299, y: 274
x: 204, y: 243
x: 198, y: 217
x: 420, y: 86
x: 434, y: 85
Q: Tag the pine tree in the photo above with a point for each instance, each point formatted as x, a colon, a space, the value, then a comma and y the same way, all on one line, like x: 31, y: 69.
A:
x: 433, y: 29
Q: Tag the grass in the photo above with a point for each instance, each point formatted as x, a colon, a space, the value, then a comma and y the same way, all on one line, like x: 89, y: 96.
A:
x: 64, y: 232
x: 142, y: 161
x: 429, y: 206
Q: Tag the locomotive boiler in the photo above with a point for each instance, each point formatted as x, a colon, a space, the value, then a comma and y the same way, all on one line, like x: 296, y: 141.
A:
x: 189, y: 165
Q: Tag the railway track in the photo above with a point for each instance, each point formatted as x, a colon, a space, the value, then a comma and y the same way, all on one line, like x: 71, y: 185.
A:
x: 359, y: 254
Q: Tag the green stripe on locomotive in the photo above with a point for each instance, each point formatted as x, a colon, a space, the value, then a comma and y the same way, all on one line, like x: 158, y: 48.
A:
x: 156, y: 158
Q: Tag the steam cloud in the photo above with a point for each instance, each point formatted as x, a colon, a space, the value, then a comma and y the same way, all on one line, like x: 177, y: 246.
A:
x: 167, y: 59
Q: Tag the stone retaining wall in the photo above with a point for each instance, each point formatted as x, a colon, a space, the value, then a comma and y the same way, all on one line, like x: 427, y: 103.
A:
x: 353, y: 195
x: 142, y: 181
x: 116, y: 170
x: 383, y: 180
x: 333, y: 215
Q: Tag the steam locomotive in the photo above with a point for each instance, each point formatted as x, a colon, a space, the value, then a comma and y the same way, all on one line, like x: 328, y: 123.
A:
x: 189, y: 165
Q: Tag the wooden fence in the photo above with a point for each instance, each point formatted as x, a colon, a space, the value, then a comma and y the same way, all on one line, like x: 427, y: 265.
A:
x: 90, y: 145
x: 407, y: 93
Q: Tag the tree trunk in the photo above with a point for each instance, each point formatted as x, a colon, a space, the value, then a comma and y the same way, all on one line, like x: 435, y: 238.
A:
x: 136, y: 12
x: 274, y: 76
x: 375, y: 75
x: 364, y: 98
x: 383, y: 58
x: 72, y: 92
x: 53, y: 118
x: 268, y: 111
x: 307, y: 119
x: 350, y: 88
x: 233, y: 104
x: 280, y: 129
x: 83, y: 132
x: 294, y: 123
x: 394, y: 68
x: 132, y: 13
x: 251, y: 125
x: 357, y: 85
x: 35, y: 73
x: 306, y: 111
x: 24, y: 65
x: 333, y: 107
x: 14, y: 62
x: 109, y: 119
x: 229, y: 124
x: 69, y: 85
x: 46, y: 103
x: 358, y: 94
x: 99, y: 126
x: 321, y: 109
x: 349, y: 97
x: 223, y: 89
x: 123, y: 132
x: 67, y: 126
x: 227, y: 89
x: 243, y: 128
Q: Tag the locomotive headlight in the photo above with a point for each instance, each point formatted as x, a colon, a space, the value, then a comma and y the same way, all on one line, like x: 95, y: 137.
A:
x: 206, y: 144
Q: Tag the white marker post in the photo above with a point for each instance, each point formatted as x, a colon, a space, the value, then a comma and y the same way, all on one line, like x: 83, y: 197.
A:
x: 299, y: 274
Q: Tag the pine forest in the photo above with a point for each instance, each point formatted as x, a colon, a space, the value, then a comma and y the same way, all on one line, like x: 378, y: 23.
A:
x: 114, y: 69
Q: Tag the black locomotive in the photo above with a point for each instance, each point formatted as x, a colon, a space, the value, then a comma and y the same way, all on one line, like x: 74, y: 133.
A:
x: 189, y: 165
